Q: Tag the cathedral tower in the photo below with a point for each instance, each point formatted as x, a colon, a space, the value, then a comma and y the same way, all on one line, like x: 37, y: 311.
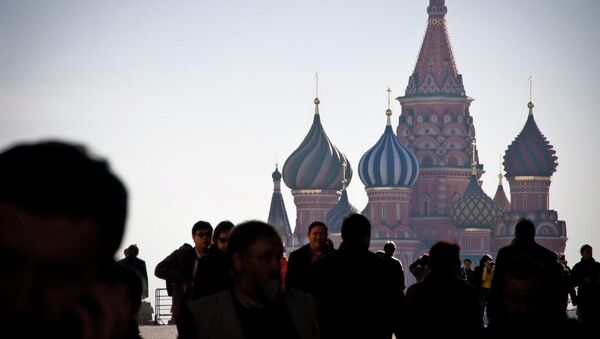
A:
x: 436, y: 124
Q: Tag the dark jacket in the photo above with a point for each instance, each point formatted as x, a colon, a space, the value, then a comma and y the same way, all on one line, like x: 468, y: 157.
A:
x: 477, y: 277
x: 299, y: 268
x: 586, y: 276
x: 355, y: 294
x: 398, y: 273
x: 139, y: 266
x: 214, y: 274
x: 178, y: 268
x: 447, y: 305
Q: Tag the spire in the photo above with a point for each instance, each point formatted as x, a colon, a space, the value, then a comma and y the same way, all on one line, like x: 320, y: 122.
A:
x: 530, y: 103
x: 278, y: 217
x: 317, y: 101
x: 435, y: 72
x: 500, y: 198
x: 388, y: 112
x: 344, y: 181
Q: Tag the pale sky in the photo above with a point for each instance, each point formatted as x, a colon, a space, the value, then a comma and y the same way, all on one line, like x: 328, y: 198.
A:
x: 193, y: 102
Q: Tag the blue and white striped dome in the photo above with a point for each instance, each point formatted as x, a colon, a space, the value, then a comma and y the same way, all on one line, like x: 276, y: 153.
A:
x: 388, y: 163
x: 316, y: 163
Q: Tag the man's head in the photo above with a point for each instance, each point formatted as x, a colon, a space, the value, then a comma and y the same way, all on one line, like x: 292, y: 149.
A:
x: 201, y: 234
x: 317, y: 235
x: 132, y: 251
x: 221, y: 234
x: 389, y: 248
x: 62, y: 217
x: 467, y: 263
x: 444, y: 257
x: 525, y: 231
x: 356, y: 230
x: 586, y: 252
x: 256, y: 249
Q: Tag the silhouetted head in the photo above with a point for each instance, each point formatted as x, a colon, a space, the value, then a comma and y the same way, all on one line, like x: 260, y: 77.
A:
x: 389, y: 248
x: 444, y: 258
x: 202, y: 235
x: 485, y: 259
x: 256, y: 250
x: 356, y: 230
x: 525, y: 231
x: 132, y: 251
x: 62, y: 217
x: 467, y: 263
x: 221, y: 234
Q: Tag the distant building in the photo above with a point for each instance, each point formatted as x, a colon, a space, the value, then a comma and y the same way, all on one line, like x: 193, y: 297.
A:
x: 423, y: 181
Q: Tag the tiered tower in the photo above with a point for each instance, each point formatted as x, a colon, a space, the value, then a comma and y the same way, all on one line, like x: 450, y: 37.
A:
x: 389, y: 170
x: 278, y: 217
x: 529, y: 163
x: 436, y: 124
x: 314, y: 173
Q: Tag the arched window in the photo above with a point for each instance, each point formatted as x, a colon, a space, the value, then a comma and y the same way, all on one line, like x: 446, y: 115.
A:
x: 452, y: 161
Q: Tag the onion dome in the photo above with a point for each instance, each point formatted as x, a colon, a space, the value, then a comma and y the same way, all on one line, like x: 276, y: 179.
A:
x: 335, y: 217
x: 474, y: 209
x: 276, y: 174
x: 316, y: 163
x: 500, y: 198
x: 388, y: 163
x: 530, y: 154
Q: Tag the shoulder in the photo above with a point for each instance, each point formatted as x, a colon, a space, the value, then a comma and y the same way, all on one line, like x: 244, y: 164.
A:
x: 297, y: 299
x: 210, y: 303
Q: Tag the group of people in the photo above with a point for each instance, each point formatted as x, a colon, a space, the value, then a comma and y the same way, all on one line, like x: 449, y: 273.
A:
x: 62, y: 218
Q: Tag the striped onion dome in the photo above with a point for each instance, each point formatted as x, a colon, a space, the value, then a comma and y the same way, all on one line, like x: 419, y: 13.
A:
x: 530, y: 154
x: 388, y: 163
x: 316, y: 163
x: 335, y: 217
x: 474, y: 209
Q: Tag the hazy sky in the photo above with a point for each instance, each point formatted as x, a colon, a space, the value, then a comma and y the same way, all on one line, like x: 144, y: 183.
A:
x: 193, y: 102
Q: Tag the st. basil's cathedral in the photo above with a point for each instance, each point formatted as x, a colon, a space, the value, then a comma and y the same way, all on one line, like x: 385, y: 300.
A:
x: 422, y: 181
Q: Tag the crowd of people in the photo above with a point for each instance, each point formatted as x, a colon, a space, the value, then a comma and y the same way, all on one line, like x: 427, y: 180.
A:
x: 62, y: 218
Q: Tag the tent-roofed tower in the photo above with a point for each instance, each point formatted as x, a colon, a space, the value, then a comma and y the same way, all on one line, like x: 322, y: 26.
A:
x: 529, y: 163
x: 435, y: 123
x: 278, y: 217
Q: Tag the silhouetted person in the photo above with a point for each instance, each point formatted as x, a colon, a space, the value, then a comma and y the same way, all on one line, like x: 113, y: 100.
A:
x: 214, y: 270
x: 395, y: 265
x: 420, y: 267
x: 180, y: 268
x: 586, y: 275
x: 62, y: 217
x: 569, y: 276
x: 481, y: 280
x: 354, y: 288
x: 467, y: 269
x: 301, y: 260
x: 525, y: 245
x: 125, y: 284
x: 443, y: 303
x: 522, y: 310
x: 256, y: 306
x: 132, y: 261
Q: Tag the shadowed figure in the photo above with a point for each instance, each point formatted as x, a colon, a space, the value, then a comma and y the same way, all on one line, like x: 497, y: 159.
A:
x: 395, y: 265
x: 355, y: 288
x: 481, y: 280
x: 256, y: 307
x: 586, y: 275
x: 555, y: 305
x: 301, y: 260
x: 522, y: 310
x: 62, y: 217
x: 138, y: 265
x: 180, y: 268
x: 443, y: 302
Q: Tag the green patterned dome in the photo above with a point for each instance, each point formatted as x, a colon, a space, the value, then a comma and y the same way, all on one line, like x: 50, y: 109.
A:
x: 474, y: 209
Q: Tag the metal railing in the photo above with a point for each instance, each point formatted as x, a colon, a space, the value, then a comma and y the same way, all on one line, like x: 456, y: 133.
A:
x: 162, y: 306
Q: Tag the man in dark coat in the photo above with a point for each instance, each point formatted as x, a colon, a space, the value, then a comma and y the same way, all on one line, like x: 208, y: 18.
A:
x: 525, y: 245
x: 354, y: 288
x: 443, y: 302
x: 395, y: 265
x: 138, y: 265
x: 586, y: 275
x: 180, y: 268
x: 301, y: 260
